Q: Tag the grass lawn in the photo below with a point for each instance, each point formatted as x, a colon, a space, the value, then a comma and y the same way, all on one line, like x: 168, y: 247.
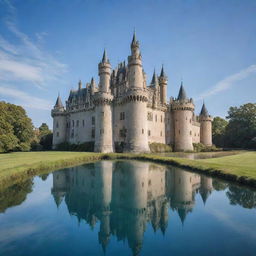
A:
x: 15, y: 166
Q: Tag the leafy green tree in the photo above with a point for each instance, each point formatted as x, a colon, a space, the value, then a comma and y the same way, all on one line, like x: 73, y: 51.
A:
x: 15, y: 128
x: 218, y: 131
x: 44, y: 130
x: 241, y: 129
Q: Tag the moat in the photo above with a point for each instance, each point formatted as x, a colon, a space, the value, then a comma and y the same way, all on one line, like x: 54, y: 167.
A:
x: 127, y: 208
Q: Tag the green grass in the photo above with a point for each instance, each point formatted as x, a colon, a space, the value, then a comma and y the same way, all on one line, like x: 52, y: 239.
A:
x: 16, y: 166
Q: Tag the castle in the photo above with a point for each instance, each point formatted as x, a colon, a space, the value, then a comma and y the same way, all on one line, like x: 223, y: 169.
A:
x: 123, y: 110
x: 126, y: 197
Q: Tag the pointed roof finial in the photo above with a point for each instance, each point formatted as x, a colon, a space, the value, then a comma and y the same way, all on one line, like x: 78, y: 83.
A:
x: 162, y: 74
x: 58, y: 103
x: 204, y: 111
x: 154, y: 78
x: 104, y: 58
x: 182, y: 94
x: 80, y: 84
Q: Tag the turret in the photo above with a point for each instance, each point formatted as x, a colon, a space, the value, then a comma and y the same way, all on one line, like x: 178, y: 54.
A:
x: 206, y: 127
x: 183, y: 108
x: 135, y: 76
x: 59, y: 123
x: 163, y: 86
x: 103, y: 108
x: 104, y: 73
x: 136, y: 99
x: 93, y: 86
x: 79, y: 85
x: 154, y: 81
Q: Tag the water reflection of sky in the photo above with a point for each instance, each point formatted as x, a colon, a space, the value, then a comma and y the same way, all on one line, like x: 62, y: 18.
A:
x: 129, y: 207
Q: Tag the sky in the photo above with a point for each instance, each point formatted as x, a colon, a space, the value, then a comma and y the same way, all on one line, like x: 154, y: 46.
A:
x: 47, y: 46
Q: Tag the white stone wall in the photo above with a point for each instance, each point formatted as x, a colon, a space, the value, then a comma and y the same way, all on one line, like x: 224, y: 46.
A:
x: 82, y: 128
x: 206, y: 132
x: 183, y: 130
x: 196, y: 133
x: 104, y: 132
x: 156, y: 126
x: 59, y: 129
x: 137, y: 126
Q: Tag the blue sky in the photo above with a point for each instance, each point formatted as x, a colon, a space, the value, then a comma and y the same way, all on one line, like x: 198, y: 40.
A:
x: 46, y: 46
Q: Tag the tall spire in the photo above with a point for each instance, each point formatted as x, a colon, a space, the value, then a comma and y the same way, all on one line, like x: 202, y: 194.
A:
x: 104, y: 58
x: 162, y: 74
x: 80, y: 85
x: 134, y: 37
x: 182, y: 94
x: 204, y: 111
x: 58, y: 103
x: 154, y: 80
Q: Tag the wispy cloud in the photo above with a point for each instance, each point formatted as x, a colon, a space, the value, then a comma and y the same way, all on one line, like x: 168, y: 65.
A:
x: 25, y: 99
x: 228, y: 82
x: 24, y: 61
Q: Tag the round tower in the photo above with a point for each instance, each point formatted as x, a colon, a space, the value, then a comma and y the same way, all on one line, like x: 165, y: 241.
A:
x: 205, y: 127
x: 135, y: 76
x: 183, y: 109
x: 103, y: 108
x: 163, y: 86
x: 136, y: 103
x: 59, y: 123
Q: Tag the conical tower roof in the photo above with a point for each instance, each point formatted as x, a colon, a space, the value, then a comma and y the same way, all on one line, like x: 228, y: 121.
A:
x: 154, y: 80
x: 182, y: 94
x: 204, y: 111
x: 58, y: 103
x: 104, y: 58
x: 134, y: 40
x: 162, y: 74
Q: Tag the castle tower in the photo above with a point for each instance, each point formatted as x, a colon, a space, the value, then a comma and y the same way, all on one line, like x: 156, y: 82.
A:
x: 206, y: 127
x: 59, y: 123
x: 59, y: 187
x: 183, y: 109
x: 105, y: 169
x: 135, y: 76
x: 103, y: 108
x: 163, y: 86
x: 206, y: 187
x: 136, y: 98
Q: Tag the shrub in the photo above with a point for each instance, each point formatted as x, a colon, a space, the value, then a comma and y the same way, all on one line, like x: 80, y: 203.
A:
x: 199, y: 147
x: 159, y: 147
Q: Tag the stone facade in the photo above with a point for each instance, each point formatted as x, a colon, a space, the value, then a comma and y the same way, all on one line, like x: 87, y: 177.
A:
x: 123, y: 110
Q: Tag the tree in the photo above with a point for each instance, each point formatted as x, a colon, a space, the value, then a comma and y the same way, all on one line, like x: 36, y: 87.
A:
x: 241, y: 129
x: 15, y: 128
x: 218, y: 131
x: 44, y: 130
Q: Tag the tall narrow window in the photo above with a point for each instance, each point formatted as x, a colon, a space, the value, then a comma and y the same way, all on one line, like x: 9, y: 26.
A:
x: 57, y: 125
x: 149, y: 132
x: 142, y: 131
x: 77, y: 123
x: 161, y: 119
x: 93, y: 120
x: 57, y: 134
x: 93, y: 133
x: 156, y: 118
x: 73, y: 123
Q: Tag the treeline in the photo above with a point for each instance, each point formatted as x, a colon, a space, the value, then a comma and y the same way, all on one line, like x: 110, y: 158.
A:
x: 238, y: 130
x: 17, y: 132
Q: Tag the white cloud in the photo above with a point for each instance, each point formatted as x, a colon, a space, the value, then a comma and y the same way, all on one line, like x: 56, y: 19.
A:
x: 25, y: 99
x: 228, y: 82
x: 24, y: 62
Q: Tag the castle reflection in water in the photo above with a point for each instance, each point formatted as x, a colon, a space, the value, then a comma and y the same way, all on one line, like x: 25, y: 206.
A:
x: 125, y: 195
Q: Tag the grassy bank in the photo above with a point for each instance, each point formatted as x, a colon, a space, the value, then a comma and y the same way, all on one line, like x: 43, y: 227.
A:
x: 20, y: 165
x: 16, y: 166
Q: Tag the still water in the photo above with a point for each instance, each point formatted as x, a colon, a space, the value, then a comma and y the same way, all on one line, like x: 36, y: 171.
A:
x: 127, y: 208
